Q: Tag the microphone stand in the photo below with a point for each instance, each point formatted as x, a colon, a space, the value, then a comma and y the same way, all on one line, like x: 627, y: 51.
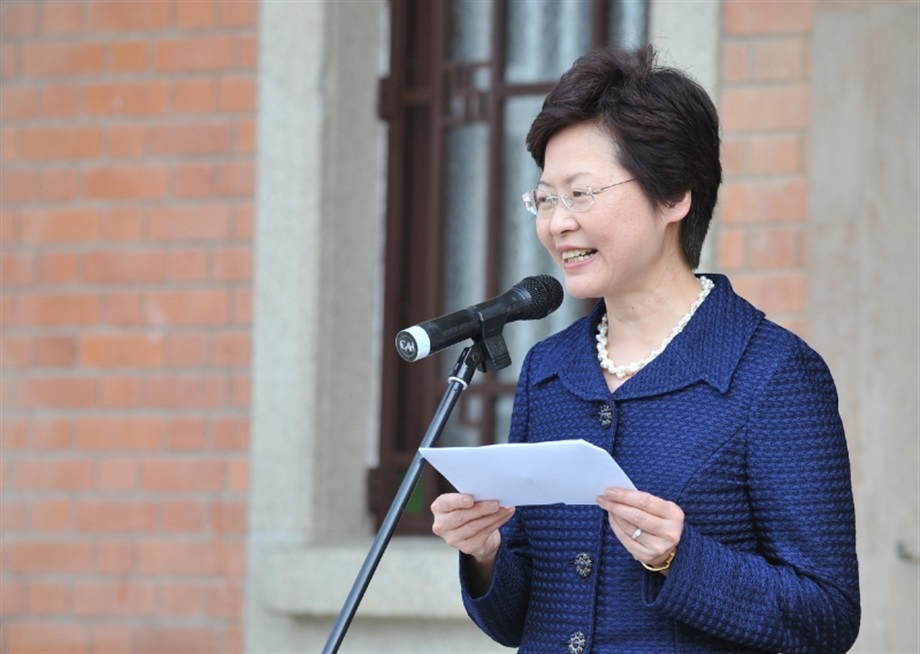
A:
x: 476, y: 355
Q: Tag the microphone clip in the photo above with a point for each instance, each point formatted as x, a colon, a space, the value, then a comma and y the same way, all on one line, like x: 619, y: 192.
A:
x: 492, y: 320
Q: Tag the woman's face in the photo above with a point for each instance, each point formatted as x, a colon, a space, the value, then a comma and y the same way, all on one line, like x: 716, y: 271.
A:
x: 621, y: 241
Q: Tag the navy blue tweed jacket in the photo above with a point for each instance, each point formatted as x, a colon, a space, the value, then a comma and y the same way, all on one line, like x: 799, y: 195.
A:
x: 737, y: 422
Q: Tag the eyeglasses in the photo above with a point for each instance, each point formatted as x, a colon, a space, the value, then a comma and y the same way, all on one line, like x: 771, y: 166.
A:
x: 580, y: 198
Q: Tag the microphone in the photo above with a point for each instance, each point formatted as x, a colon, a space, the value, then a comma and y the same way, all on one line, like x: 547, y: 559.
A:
x: 531, y: 298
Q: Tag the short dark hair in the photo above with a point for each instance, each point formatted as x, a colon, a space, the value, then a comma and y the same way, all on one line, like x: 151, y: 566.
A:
x: 663, y: 123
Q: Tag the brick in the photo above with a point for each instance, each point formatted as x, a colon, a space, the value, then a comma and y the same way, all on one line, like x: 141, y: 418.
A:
x: 53, y: 474
x: 10, y: 60
x: 228, y: 517
x: 197, y: 54
x: 14, y: 517
x: 757, y: 202
x: 239, y: 13
x: 193, y: 180
x: 781, y: 59
x: 240, y: 390
x: 51, y: 434
x: 119, y: 392
x: 774, y: 247
x: 182, y: 558
x: 187, y: 349
x: 749, y: 17
x: 49, y: 598
x: 183, y: 599
x: 119, y: 350
x: 195, y: 15
x: 135, y: 433
x: 242, y: 306
x: 16, y: 185
x: 10, y: 149
x: 247, y: 52
x: 237, y: 475
x: 232, y: 349
x: 762, y: 108
x: 17, y: 102
x: 55, y: 309
x: 242, y: 222
x: 6, y: 310
x: 117, y: 474
x: 246, y: 137
x: 190, y: 265
x: 124, y: 224
x: 15, y: 351
x: 116, y: 516
x: 61, y: 392
x: 194, y: 96
x: 129, y: 56
x: 120, y: 16
x: 127, y: 98
x: 188, y: 434
x: 736, y: 62
x: 62, y: 59
x: 237, y: 94
x: 178, y: 475
x: 18, y: 19
x: 191, y: 392
x: 62, y: 17
x: 108, y: 638
x: 191, y: 139
x: 50, y: 515
x: 775, y: 292
x: 126, y: 141
x: 55, y: 351
x: 57, y: 185
x: 12, y: 594
x: 14, y: 434
x: 187, y: 307
x: 58, y: 268
x: 124, y: 266
x: 184, y: 516
x: 230, y: 433
x: 17, y: 267
x: 61, y: 143
x: 776, y: 154
x: 190, y: 223
x: 46, y: 637
x: 60, y: 226
x: 124, y: 598
x: 123, y: 308
x: 50, y: 556
x: 225, y: 601
x: 61, y: 101
x: 126, y: 183
x: 8, y: 226
x: 236, y: 179
x: 115, y: 557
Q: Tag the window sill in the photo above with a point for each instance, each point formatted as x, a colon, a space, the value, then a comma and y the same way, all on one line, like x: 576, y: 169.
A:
x: 416, y: 577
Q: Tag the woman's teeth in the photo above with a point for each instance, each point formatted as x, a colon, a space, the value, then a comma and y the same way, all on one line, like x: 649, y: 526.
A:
x: 575, y: 256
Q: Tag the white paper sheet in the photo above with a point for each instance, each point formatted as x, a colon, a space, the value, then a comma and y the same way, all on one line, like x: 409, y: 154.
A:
x: 516, y: 474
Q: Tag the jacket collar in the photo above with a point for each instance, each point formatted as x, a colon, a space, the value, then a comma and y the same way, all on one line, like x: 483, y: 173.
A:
x: 708, y: 349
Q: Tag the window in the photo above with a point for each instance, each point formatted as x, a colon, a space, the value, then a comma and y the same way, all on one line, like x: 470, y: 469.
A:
x: 466, y: 79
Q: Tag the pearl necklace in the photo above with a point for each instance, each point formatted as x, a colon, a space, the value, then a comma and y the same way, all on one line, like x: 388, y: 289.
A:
x: 632, y: 368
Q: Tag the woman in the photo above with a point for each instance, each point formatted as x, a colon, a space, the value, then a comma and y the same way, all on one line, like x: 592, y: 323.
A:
x: 741, y: 536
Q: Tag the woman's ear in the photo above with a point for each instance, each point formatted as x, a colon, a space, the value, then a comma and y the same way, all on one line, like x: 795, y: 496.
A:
x: 676, y: 211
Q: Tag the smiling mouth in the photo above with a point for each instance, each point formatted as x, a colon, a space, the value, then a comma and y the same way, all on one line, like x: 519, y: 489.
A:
x: 576, y: 256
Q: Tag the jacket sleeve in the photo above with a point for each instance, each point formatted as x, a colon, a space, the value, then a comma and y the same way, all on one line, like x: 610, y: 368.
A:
x: 800, y: 591
x: 502, y: 610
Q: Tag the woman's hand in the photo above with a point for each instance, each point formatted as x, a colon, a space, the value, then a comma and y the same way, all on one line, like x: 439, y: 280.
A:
x: 648, y: 526
x: 471, y: 527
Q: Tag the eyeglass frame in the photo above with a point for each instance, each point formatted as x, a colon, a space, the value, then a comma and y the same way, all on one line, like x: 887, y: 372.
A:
x: 529, y: 198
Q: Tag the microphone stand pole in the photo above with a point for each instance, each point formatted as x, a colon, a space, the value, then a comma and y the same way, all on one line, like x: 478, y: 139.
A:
x: 459, y: 379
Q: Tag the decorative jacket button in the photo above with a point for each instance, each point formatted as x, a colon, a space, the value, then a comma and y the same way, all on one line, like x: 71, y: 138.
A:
x: 605, y: 416
x: 577, y: 643
x: 583, y: 564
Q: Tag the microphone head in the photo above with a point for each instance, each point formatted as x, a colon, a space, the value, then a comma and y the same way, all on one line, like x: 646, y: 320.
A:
x: 545, y: 293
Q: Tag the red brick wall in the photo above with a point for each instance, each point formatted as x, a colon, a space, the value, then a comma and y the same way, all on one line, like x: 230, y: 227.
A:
x: 765, y: 105
x: 126, y: 182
